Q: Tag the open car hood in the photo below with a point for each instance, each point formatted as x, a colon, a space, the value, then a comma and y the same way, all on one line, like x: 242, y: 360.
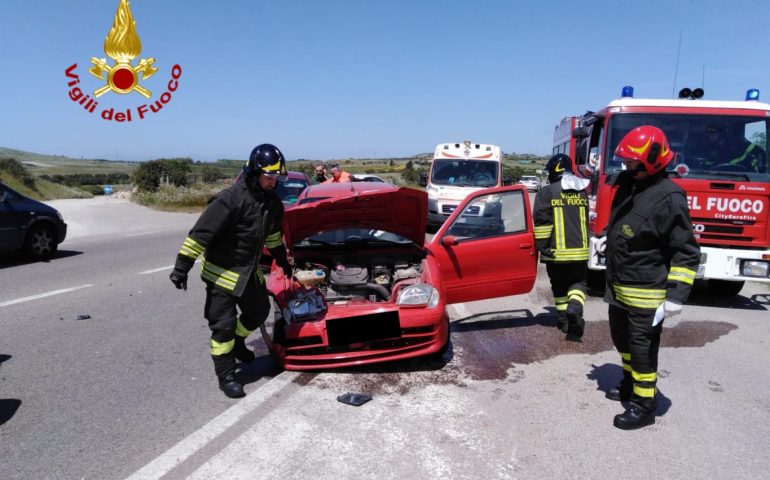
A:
x: 402, y: 211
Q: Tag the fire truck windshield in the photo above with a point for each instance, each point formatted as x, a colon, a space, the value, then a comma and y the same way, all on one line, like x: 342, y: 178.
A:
x: 708, y: 145
x: 464, y: 173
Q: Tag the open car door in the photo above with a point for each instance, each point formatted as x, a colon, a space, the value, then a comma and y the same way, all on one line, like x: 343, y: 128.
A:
x: 486, y: 248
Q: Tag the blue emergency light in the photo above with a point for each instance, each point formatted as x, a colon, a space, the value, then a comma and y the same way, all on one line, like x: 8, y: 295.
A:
x: 628, y: 91
x: 752, y: 94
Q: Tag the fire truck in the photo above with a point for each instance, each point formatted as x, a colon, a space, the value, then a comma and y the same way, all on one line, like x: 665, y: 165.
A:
x: 720, y: 162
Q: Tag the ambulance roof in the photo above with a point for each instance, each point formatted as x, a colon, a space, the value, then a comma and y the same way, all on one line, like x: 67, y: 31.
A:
x: 468, y: 150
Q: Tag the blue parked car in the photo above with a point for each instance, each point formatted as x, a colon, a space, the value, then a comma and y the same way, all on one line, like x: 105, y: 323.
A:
x: 28, y: 225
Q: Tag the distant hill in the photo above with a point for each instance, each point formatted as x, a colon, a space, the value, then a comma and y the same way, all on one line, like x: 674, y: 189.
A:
x: 40, y: 164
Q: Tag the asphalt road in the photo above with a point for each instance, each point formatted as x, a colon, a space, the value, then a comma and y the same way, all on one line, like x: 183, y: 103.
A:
x: 129, y: 391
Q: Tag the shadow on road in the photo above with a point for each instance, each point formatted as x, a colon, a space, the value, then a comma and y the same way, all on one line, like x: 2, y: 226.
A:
x: 262, y: 366
x: 504, y: 319
x: 704, y: 298
x: 8, y: 406
x: 16, y: 259
x: 609, y: 374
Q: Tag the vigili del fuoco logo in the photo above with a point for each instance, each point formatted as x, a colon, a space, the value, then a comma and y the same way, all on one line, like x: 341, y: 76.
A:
x: 122, y: 77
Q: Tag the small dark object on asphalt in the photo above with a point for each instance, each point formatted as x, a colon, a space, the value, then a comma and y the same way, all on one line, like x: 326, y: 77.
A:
x: 83, y: 317
x: 355, y: 399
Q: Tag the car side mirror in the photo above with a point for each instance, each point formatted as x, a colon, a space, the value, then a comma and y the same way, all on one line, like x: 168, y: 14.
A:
x: 449, y: 240
x: 423, y: 180
x: 507, y: 181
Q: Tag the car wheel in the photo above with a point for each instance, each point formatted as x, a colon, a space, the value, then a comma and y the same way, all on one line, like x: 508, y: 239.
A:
x: 40, y: 243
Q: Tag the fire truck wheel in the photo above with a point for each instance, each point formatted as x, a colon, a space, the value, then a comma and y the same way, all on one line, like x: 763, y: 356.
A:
x: 725, y: 288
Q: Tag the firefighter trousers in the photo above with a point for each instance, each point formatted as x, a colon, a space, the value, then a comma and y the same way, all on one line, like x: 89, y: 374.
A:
x: 638, y: 343
x: 568, y: 284
x: 225, y: 323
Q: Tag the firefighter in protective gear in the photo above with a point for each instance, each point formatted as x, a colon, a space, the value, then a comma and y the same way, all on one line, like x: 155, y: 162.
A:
x: 230, y: 235
x: 652, y: 258
x: 561, y: 236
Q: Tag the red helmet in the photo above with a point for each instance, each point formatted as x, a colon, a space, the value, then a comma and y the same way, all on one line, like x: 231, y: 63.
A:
x: 647, y: 144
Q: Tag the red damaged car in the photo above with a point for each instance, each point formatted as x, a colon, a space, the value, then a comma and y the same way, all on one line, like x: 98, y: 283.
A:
x: 367, y: 287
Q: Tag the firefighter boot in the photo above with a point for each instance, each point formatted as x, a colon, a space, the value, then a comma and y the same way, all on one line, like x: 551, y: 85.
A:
x: 575, y: 322
x: 241, y: 352
x: 639, y: 414
x: 224, y: 366
x: 622, y: 391
x: 561, y: 321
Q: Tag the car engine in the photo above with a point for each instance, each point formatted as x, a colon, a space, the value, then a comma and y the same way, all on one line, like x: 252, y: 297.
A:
x: 350, y: 280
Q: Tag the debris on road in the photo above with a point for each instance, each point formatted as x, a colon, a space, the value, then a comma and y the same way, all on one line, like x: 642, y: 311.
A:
x: 355, y: 399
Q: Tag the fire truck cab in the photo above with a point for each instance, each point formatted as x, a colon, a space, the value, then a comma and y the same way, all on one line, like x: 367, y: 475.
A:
x: 721, y: 163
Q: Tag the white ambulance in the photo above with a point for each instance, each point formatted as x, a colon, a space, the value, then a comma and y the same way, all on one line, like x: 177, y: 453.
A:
x: 456, y: 170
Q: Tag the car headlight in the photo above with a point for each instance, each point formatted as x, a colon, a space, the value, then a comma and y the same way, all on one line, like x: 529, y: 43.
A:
x: 418, y: 294
x: 432, y: 191
x: 754, y: 268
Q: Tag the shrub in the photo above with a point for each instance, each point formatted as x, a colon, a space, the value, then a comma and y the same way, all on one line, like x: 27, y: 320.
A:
x: 18, y: 170
x: 149, y: 175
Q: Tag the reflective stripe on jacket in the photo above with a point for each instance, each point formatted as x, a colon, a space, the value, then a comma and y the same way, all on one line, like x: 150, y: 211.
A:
x: 230, y: 235
x: 561, y: 223
x: 652, y: 254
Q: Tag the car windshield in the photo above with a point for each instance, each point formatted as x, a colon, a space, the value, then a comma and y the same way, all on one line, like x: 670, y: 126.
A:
x: 465, y: 173
x: 288, y: 190
x: 353, y: 236
x: 706, y: 146
x: 529, y: 179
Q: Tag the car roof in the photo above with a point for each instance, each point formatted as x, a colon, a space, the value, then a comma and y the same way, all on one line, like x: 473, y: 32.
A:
x: 297, y: 176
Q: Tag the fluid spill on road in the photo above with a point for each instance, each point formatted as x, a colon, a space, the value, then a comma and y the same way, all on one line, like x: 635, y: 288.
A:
x: 489, y: 347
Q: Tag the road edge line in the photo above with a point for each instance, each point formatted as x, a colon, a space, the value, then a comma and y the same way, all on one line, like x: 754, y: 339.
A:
x: 188, y: 446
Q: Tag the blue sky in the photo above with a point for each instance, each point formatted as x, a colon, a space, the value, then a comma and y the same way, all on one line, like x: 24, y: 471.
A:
x: 339, y: 79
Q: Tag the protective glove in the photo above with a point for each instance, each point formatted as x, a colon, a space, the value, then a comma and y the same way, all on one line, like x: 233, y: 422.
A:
x: 601, y: 245
x: 547, y: 252
x: 666, y: 309
x: 179, y: 279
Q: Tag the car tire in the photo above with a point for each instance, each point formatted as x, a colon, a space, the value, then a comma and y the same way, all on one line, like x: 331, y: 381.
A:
x: 40, y: 243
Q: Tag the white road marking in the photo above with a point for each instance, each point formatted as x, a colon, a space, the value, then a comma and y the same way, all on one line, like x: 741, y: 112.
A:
x: 141, y: 233
x: 154, y: 270
x: 43, y: 295
x: 197, y: 440
x: 459, y: 310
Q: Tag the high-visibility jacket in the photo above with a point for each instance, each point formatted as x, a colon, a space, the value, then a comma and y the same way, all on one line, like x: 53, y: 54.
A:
x: 651, y: 251
x: 560, y: 215
x: 230, y: 235
x: 753, y: 158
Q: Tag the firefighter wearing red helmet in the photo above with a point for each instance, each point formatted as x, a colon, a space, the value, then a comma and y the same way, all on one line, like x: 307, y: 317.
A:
x: 560, y: 216
x: 229, y: 235
x: 652, y: 257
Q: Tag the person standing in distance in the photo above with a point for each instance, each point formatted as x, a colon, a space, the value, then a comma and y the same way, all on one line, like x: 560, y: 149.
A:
x: 561, y: 235
x: 652, y: 257
x: 339, y: 175
x: 320, y: 173
x: 230, y: 234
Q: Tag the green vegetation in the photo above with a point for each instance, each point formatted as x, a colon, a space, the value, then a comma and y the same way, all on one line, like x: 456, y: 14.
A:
x: 183, y: 184
x: 177, y: 199
x: 14, y: 174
